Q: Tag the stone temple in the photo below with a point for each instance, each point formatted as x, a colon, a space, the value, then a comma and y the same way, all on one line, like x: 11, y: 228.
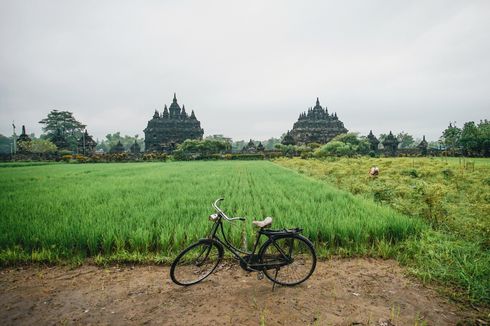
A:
x: 170, y: 128
x: 315, y: 126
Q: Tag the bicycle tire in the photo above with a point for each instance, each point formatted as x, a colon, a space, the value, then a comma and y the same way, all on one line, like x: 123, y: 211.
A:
x: 191, y: 267
x: 299, y: 249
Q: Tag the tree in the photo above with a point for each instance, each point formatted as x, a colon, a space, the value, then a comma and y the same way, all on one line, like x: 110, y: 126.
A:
x: 219, y: 138
x: 406, y: 140
x: 348, y: 138
x: 451, y: 138
x: 470, y: 140
x: 238, y: 145
x: 484, y: 135
x: 335, y: 148
x: 287, y: 150
x: 65, y: 123
x: 270, y: 143
x: 353, y: 144
x: 194, y: 148
x: 5, y: 145
x: 112, y: 139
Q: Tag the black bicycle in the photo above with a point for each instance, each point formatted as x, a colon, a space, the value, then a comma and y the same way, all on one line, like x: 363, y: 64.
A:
x: 285, y: 258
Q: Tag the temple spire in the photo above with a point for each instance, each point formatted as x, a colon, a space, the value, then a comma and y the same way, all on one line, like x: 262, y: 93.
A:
x: 23, y: 136
x: 317, y: 101
x: 165, y: 112
x: 175, y: 98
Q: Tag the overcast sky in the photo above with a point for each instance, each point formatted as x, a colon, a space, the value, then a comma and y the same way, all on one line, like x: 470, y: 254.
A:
x: 247, y: 68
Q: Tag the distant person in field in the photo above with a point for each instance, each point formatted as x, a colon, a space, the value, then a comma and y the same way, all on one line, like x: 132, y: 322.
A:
x: 374, y: 171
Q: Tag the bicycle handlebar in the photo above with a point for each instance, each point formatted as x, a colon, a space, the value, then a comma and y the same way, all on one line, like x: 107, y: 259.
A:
x: 215, y: 206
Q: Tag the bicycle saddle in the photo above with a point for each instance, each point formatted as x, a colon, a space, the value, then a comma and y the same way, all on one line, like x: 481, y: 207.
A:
x: 263, y: 224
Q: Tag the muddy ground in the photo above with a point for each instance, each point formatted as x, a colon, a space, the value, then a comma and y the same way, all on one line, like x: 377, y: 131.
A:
x: 340, y: 292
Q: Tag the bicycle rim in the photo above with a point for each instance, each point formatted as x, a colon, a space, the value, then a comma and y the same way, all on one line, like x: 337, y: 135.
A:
x: 292, y: 260
x: 195, y: 263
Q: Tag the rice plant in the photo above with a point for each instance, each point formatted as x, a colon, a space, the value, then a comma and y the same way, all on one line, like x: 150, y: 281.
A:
x: 60, y: 211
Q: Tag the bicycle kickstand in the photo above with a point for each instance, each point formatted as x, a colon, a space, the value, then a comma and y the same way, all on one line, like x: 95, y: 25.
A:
x: 275, y: 277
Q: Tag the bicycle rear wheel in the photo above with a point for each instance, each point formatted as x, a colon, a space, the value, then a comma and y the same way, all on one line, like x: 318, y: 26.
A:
x: 196, y: 262
x: 291, y: 259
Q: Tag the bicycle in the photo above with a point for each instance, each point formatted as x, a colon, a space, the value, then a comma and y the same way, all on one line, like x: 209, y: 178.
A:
x: 285, y: 258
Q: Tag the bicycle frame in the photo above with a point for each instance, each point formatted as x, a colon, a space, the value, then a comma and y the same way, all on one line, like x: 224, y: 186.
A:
x: 218, y: 224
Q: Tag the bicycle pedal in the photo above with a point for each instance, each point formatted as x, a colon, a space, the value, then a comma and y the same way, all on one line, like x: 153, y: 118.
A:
x: 260, y: 276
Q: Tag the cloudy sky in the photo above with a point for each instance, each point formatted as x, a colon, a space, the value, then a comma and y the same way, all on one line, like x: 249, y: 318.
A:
x: 247, y: 68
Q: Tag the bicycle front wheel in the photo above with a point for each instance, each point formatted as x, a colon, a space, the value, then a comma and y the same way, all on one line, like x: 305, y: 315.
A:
x: 196, y: 262
x: 290, y: 259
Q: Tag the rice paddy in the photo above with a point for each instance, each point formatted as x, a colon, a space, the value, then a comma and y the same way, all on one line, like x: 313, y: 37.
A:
x: 148, y: 212
x: 55, y: 212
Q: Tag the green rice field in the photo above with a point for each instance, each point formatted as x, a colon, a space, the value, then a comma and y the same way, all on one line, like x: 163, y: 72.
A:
x: 148, y: 212
x: 59, y: 211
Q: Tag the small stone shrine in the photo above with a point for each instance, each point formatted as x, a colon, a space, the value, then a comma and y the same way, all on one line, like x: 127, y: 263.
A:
x: 423, y: 146
x: 373, y: 142
x: 135, y: 148
x: 249, y: 148
x: 164, y: 132
x: 390, y: 144
x: 288, y: 139
x: 315, y: 126
x: 23, y: 136
x: 118, y: 148
x: 260, y: 147
x: 86, y: 144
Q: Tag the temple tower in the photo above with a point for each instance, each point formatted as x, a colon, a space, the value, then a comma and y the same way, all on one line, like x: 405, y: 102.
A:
x: 164, y: 132
x: 315, y: 125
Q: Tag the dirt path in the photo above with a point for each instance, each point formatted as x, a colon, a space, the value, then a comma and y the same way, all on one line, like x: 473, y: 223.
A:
x: 340, y: 292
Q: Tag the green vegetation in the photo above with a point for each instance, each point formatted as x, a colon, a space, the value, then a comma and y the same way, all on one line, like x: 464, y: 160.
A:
x: 349, y: 144
x: 57, y: 212
x: 112, y: 139
x: 36, y: 146
x: 64, y: 124
x: 27, y: 163
x: 190, y: 149
x: 452, y: 195
x: 5, y: 145
x: 148, y: 212
x: 472, y: 140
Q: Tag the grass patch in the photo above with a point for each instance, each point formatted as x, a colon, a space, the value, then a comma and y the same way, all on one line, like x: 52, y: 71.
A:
x: 457, y: 264
x: 451, y: 195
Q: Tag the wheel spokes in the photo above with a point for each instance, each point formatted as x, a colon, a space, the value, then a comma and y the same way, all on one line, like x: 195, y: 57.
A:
x: 291, y: 260
x: 196, y: 264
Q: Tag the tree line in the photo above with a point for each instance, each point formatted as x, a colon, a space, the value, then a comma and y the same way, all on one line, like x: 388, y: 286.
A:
x: 471, y: 140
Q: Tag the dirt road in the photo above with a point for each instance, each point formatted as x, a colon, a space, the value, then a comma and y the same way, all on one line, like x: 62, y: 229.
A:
x: 340, y: 292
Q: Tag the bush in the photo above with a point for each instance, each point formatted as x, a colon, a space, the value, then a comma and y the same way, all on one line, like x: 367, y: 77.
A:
x: 335, y: 148
x: 447, y: 173
x: 410, y: 173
